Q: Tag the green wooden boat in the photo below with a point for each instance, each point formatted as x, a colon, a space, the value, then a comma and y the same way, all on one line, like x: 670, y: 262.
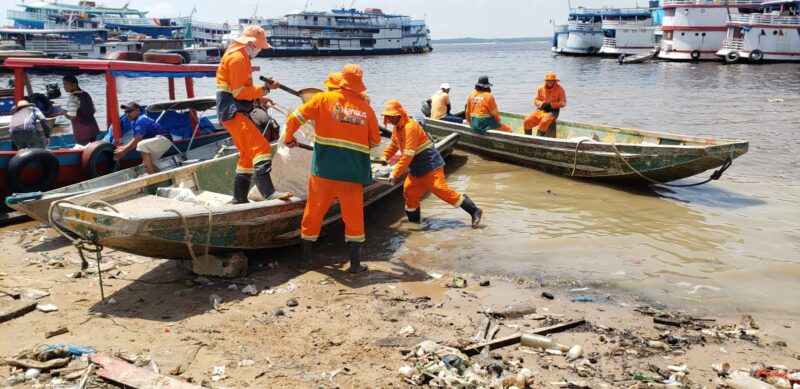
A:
x: 133, y: 217
x: 598, y: 152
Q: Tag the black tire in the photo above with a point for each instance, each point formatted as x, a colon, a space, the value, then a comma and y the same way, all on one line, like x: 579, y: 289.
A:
x: 592, y: 50
x: 695, y: 55
x: 41, y: 101
x: 92, y: 153
x: 50, y: 168
x: 756, y: 56
x: 732, y: 57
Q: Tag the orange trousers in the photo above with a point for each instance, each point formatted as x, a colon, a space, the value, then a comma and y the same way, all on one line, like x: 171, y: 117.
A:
x: 321, y: 193
x: 540, y: 119
x: 253, y: 147
x: 415, y: 187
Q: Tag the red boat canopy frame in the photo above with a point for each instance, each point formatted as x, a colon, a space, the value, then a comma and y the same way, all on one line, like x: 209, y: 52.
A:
x: 111, y: 70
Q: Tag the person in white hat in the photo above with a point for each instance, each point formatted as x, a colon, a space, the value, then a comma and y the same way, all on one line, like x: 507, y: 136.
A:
x: 29, y: 127
x: 440, y: 105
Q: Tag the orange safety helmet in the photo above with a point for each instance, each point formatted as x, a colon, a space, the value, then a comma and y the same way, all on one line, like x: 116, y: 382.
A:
x: 551, y: 77
x: 352, y: 78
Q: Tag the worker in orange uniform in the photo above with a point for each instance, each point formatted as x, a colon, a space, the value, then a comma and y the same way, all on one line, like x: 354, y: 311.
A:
x: 346, y: 129
x: 482, y: 114
x: 425, y: 165
x: 550, y: 98
x: 236, y: 95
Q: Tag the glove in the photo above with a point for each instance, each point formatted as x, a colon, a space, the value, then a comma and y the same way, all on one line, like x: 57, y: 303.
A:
x: 546, y: 107
x: 392, y: 180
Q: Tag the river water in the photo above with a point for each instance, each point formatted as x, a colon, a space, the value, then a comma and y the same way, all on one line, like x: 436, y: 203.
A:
x: 732, y: 245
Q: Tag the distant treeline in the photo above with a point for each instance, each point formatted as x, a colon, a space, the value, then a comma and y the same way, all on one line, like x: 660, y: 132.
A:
x: 490, y: 40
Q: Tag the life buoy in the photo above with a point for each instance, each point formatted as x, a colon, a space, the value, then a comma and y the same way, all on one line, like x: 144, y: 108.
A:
x: 695, y: 55
x: 49, y: 165
x: 168, y: 58
x: 756, y: 55
x: 592, y: 50
x: 94, y: 153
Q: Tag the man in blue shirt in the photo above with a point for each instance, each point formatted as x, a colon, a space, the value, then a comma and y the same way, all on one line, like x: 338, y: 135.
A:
x: 149, y: 138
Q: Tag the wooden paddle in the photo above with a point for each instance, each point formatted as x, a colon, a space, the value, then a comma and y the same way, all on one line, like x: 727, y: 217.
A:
x: 304, y: 94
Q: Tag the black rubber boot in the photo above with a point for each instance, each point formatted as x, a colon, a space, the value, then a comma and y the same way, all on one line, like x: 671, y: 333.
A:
x: 472, y: 210
x: 305, y: 260
x: 528, y: 131
x: 241, y: 185
x: 414, y: 216
x: 354, y: 250
x: 264, y: 182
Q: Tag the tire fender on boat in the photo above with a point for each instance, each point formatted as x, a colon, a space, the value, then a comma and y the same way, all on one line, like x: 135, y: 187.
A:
x: 49, y: 165
x: 695, y: 54
x: 92, y: 154
x: 592, y: 50
x: 732, y: 57
x: 756, y: 55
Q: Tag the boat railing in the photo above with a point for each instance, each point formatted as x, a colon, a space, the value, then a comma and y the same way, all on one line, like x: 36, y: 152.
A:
x: 561, y: 28
x: 770, y: 20
x: 129, y: 21
x: 287, y: 32
x: 13, y: 14
x: 711, y: 2
x: 589, y: 27
x: 211, y: 26
x: 609, y: 42
x: 56, y: 46
x: 733, y: 44
x: 615, y: 24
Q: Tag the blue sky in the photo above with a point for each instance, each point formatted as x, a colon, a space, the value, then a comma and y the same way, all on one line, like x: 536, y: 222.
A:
x: 446, y: 18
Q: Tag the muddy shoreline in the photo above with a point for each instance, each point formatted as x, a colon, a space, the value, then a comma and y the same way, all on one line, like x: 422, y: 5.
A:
x: 329, y: 335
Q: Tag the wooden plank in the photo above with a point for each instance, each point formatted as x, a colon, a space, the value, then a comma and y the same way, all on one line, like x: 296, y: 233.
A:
x: 10, y: 309
x: 514, y: 339
x: 126, y: 374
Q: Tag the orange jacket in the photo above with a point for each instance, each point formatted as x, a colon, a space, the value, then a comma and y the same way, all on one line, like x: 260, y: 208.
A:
x: 235, y: 90
x: 346, y: 128
x: 556, y: 96
x: 418, y: 151
x: 482, y: 104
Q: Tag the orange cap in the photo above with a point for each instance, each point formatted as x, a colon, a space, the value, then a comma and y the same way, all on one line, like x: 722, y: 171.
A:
x: 333, y: 81
x: 394, y: 108
x: 254, y: 34
x: 352, y: 78
x: 550, y: 77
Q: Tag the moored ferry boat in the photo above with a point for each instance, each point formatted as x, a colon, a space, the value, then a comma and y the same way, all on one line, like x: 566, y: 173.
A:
x: 772, y: 35
x: 694, y: 29
x: 628, y: 31
x: 345, y: 32
x: 585, y: 32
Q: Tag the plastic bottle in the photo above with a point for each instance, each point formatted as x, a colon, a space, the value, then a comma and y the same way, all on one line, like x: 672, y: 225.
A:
x: 543, y: 342
x: 739, y: 380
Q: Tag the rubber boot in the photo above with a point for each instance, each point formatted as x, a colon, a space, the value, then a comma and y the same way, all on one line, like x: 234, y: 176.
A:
x: 241, y: 185
x: 354, y: 250
x: 528, y: 131
x: 414, y: 216
x: 264, y: 182
x: 472, y: 210
x: 305, y: 260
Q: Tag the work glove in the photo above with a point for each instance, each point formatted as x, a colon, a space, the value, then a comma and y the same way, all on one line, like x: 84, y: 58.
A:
x: 546, y: 107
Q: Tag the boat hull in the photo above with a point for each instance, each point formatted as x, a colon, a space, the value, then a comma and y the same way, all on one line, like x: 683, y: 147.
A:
x: 232, y: 227
x: 573, y: 155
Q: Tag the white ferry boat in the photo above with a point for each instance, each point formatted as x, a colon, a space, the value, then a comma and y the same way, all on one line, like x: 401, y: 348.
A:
x: 694, y: 29
x: 771, y: 35
x: 584, y: 32
x: 345, y: 32
x: 628, y: 32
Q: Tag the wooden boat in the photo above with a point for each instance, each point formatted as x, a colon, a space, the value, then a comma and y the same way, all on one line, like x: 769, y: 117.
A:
x: 598, y: 152
x: 68, y: 165
x: 132, y: 217
x: 36, y: 205
x: 639, y: 58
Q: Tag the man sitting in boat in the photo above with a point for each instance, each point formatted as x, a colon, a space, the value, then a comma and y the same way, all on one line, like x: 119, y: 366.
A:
x: 550, y: 99
x: 80, y: 112
x: 425, y: 163
x: 346, y: 129
x: 235, y: 96
x: 29, y: 127
x: 482, y: 114
x: 440, y: 105
x: 149, y: 138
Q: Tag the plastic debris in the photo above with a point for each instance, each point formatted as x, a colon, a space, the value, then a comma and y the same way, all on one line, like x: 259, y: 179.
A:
x: 32, y: 373
x: 233, y: 287
x: 741, y: 380
x: 218, y: 373
x: 250, y: 289
x: 47, y: 307
x: 215, y: 301
x: 406, y: 371
x: 575, y: 352
x: 407, y: 330
x: 457, y: 283
x: 292, y: 302
x: 74, y: 350
x: 542, y: 342
x: 111, y: 301
x: 585, y: 299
